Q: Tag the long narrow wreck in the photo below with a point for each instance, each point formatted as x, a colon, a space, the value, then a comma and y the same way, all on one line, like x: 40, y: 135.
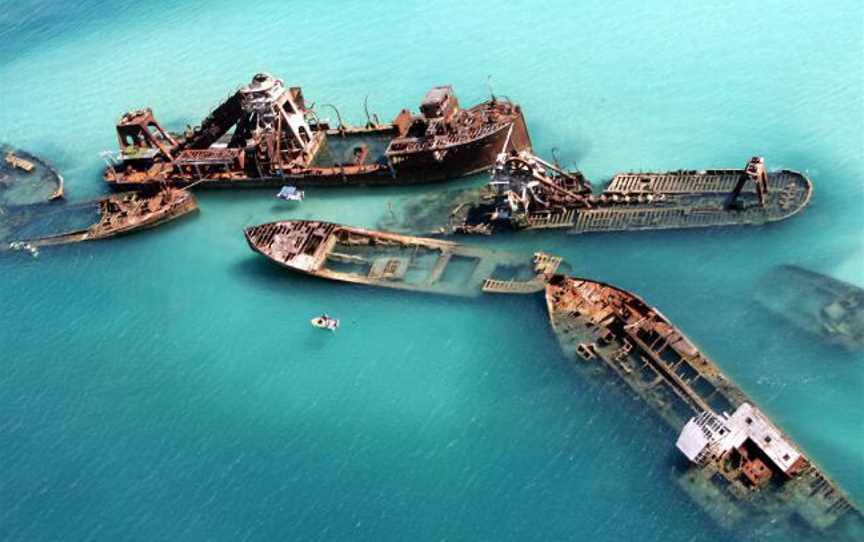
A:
x: 735, y: 462
x: 402, y: 262
x: 266, y: 135
x: 26, y: 227
x: 526, y: 192
x: 740, y: 465
x: 816, y: 303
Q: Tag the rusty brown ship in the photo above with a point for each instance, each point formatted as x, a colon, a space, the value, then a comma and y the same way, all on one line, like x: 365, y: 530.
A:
x: 29, y: 226
x: 735, y: 462
x: 527, y: 192
x: 266, y: 135
x: 739, y: 465
x: 401, y: 262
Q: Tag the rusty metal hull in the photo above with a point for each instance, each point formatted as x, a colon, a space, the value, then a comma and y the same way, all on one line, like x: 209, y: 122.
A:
x: 526, y: 193
x: 119, y: 214
x: 374, y: 258
x: 265, y: 136
x: 816, y: 303
x: 467, y: 159
x: 607, y: 330
x: 691, y: 200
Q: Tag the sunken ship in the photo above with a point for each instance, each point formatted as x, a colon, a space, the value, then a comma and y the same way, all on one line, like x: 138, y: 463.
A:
x: 26, y: 227
x: 816, y: 303
x: 401, y: 262
x: 527, y: 192
x: 266, y: 135
x: 734, y: 462
x: 26, y: 179
x: 738, y: 465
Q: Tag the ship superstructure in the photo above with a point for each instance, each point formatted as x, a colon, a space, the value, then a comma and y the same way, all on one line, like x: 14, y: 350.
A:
x: 266, y: 135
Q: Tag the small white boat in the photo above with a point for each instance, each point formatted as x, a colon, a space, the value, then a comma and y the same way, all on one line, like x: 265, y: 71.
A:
x: 325, y: 322
x: 290, y: 193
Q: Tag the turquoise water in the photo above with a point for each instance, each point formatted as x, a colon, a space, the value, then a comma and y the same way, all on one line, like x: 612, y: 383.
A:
x: 168, y: 386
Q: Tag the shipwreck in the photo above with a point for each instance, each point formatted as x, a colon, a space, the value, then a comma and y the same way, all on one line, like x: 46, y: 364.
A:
x: 401, y: 262
x: 266, y: 135
x: 527, y: 192
x: 735, y: 463
x: 739, y: 465
x: 25, y: 227
x: 26, y: 179
x: 816, y: 303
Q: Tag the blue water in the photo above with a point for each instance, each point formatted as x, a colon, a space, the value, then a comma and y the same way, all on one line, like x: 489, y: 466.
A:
x: 167, y: 385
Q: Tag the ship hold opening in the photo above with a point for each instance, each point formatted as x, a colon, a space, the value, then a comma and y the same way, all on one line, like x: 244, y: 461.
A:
x: 459, y: 269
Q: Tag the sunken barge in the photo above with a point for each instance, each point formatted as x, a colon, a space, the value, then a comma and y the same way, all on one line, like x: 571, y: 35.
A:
x: 816, y: 303
x: 27, y: 227
x: 401, y: 262
x: 739, y: 465
x: 526, y: 192
x: 266, y: 135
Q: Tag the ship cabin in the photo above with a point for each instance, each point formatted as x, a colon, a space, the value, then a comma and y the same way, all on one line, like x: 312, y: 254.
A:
x: 439, y: 103
x: 438, y: 110
x: 751, y: 449
x: 142, y: 138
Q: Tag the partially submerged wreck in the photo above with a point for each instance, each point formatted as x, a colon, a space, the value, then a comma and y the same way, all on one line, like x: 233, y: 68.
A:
x: 266, y: 135
x: 735, y: 462
x: 375, y: 258
x: 816, y: 303
x: 526, y: 192
x: 28, y: 226
x: 26, y: 179
x: 740, y: 465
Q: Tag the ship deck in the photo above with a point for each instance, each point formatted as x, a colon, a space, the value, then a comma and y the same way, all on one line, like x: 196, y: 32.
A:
x: 351, y: 148
x: 389, y: 260
x: 607, y: 329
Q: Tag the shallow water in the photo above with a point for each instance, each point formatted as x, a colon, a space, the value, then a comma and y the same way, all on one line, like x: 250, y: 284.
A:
x: 167, y: 385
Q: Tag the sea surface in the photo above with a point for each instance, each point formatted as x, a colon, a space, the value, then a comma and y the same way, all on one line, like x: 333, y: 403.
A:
x: 168, y: 386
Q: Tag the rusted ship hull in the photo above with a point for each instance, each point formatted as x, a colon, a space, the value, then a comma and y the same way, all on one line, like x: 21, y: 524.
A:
x: 264, y: 136
x: 608, y: 330
x: 373, y: 258
x: 821, y: 305
x: 691, y: 200
x: 526, y: 193
x: 114, y: 215
x: 467, y: 159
